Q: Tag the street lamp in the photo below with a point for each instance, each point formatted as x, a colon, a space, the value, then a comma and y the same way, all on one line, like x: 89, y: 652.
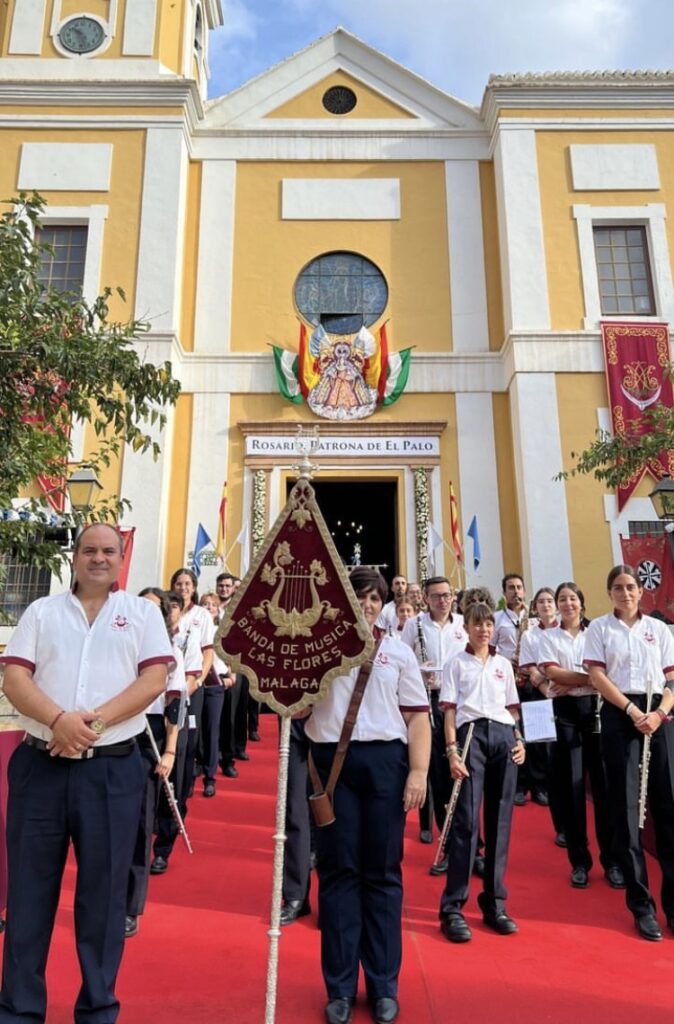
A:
x: 662, y: 497
x: 81, y: 486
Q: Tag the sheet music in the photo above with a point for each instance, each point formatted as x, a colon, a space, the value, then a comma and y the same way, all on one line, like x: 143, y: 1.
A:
x: 538, y: 721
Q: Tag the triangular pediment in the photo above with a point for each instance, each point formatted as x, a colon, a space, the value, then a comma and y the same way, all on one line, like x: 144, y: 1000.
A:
x: 388, y: 95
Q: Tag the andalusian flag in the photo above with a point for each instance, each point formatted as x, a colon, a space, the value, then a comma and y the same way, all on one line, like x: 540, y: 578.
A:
x: 222, y: 522
x: 454, y: 521
x: 286, y: 364
x: 398, y: 370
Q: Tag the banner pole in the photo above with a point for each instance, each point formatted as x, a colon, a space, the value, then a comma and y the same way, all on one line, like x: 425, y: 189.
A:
x: 274, y: 932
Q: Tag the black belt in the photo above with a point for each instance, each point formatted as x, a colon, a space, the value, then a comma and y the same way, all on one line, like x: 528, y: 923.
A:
x: 112, y: 750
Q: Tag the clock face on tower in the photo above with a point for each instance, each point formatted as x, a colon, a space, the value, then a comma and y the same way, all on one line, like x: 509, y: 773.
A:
x: 81, y: 35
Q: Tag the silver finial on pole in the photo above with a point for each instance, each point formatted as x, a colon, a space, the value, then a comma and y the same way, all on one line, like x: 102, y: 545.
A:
x: 307, y: 442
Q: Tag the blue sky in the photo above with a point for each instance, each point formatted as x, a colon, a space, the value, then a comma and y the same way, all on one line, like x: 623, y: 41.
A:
x: 455, y: 44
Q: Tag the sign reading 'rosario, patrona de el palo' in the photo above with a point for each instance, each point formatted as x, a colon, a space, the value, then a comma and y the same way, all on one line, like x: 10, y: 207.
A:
x: 295, y: 623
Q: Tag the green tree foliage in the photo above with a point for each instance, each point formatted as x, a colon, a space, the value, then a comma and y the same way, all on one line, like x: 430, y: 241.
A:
x: 62, y: 359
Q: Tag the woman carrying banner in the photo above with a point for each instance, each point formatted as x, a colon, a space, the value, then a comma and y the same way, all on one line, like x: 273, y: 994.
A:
x: 577, y: 750
x: 359, y: 855
x: 630, y: 659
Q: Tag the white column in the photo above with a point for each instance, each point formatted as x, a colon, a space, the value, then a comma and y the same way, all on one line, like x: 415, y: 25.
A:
x: 470, y: 330
x: 544, y: 525
x: 162, y: 224
x: 411, y: 538
x: 479, y: 488
x: 436, y: 559
x: 216, y: 257
x: 523, y: 270
x: 139, y: 28
x: 146, y: 484
x: 209, y: 455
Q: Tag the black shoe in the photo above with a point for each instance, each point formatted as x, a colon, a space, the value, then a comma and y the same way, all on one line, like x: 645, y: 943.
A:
x: 615, y: 877
x: 579, y: 878
x: 454, y: 928
x: 520, y: 799
x: 339, y: 1011
x: 292, y: 909
x: 440, y: 868
x: 241, y: 755
x: 539, y: 796
x: 385, y: 1010
x: 500, y: 922
x: 560, y: 840
x: 426, y: 836
x: 230, y: 771
x: 130, y: 926
x: 158, y: 866
x: 478, y: 866
x: 209, y: 789
x: 648, y: 927
x: 254, y: 736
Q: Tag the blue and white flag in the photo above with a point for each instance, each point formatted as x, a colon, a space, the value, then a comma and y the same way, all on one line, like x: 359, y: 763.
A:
x: 473, y: 534
x: 202, y: 541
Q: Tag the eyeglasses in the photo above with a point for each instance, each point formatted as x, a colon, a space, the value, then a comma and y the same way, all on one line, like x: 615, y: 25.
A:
x: 440, y: 597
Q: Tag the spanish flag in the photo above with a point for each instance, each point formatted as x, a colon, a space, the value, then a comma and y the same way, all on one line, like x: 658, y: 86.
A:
x: 222, y: 522
x: 454, y: 521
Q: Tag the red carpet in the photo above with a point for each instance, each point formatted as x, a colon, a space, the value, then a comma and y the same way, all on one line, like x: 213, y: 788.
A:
x: 200, y: 955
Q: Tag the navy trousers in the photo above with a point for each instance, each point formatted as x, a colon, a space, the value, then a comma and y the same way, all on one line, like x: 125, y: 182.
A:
x: 52, y: 802
x: 358, y: 862
x: 493, y: 775
x: 214, y: 699
x: 139, y: 874
x: 297, y: 858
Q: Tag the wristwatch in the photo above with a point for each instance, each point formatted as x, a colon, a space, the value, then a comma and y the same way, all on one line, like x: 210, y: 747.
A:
x: 98, y: 726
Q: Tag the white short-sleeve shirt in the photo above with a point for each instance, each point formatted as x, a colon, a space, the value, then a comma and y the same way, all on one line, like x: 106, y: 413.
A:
x: 81, y: 666
x: 479, y: 689
x: 507, y: 626
x: 395, y: 686
x: 198, y: 620
x: 441, y: 642
x: 558, y: 647
x: 176, y: 684
x: 388, y: 617
x: 631, y: 657
x: 531, y: 644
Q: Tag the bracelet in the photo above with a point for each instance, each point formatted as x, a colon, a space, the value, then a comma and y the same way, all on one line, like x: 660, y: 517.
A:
x: 171, y: 753
x: 627, y: 707
x: 454, y: 753
x: 451, y: 747
x: 61, y: 712
x: 662, y: 715
x: 520, y: 739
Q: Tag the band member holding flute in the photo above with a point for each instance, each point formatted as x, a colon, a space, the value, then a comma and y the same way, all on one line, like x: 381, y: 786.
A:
x: 435, y: 637
x: 479, y: 687
x: 630, y: 660
x: 577, y: 750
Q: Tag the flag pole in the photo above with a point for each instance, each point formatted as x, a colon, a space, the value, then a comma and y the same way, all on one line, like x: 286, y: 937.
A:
x: 274, y: 932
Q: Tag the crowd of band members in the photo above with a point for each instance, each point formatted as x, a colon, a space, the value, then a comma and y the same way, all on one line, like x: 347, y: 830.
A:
x: 201, y: 724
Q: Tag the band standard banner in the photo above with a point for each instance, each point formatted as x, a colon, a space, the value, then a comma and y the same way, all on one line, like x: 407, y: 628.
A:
x: 652, y: 560
x: 295, y: 623
x: 636, y: 356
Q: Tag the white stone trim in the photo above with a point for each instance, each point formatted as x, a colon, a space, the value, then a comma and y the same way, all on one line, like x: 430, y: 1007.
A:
x: 340, y: 199
x: 245, y: 550
x: 411, y: 532
x: 275, y: 497
x: 479, y: 488
x: 93, y: 217
x: 470, y: 329
x: 28, y: 27
x: 437, y: 519
x: 653, y: 216
x: 65, y: 166
x: 162, y: 225
x: 523, y: 267
x: 209, y: 459
x: 544, y: 526
x: 614, y: 167
x: 216, y: 257
x: 139, y: 28
x: 374, y: 143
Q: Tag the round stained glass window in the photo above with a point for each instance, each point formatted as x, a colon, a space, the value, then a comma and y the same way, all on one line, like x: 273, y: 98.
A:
x: 339, y: 99
x: 342, y: 291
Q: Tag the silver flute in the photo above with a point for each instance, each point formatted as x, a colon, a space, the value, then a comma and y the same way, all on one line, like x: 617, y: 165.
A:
x: 453, y: 800
x: 645, y: 762
x: 168, y: 789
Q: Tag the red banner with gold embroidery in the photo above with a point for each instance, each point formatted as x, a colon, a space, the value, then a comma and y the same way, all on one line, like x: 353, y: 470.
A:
x: 652, y: 559
x: 636, y: 356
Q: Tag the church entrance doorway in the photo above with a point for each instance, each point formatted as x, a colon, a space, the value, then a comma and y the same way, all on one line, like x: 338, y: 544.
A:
x: 362, y: 516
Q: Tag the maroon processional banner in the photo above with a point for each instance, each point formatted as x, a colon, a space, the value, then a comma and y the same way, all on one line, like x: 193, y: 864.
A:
x: 636, y: 357
x: 652, y: 559
x: 294, y: 623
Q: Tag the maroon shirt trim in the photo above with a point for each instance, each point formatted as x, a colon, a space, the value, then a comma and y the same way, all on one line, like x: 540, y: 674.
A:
x: 165, y: 659
x: 10, y: 659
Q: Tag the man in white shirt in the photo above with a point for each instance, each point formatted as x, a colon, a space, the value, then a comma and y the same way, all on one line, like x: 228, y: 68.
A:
x: 81, y: 668
x: 388, y: 618
x: 508, y: 622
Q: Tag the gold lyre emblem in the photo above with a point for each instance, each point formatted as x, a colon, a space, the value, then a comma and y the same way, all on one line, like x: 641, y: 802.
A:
x: 295, y: 606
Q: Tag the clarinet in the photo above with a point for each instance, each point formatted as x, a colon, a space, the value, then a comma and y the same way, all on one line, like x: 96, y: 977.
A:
x: 168, y: 789
x: 645, y: 762
x: 453, y: 800
x: 522, y: 626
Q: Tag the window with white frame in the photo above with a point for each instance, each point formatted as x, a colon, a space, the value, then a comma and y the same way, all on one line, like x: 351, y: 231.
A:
x: 63, y: 257
x: 623, y: 270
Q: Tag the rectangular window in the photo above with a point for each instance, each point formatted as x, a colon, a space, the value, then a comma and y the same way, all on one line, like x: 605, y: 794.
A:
x: 20, y: 585
x: 63, y: 267
x: 623, y: 271
x: 645, y: 528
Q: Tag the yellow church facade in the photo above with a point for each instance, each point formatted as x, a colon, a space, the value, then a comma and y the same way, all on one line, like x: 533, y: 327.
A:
x: 482, y: 229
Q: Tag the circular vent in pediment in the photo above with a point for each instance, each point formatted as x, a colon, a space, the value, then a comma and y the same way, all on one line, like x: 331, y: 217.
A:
x: 339, y: 99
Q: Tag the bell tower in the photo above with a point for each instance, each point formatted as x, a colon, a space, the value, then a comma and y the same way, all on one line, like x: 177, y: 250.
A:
x: 107, y: 39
